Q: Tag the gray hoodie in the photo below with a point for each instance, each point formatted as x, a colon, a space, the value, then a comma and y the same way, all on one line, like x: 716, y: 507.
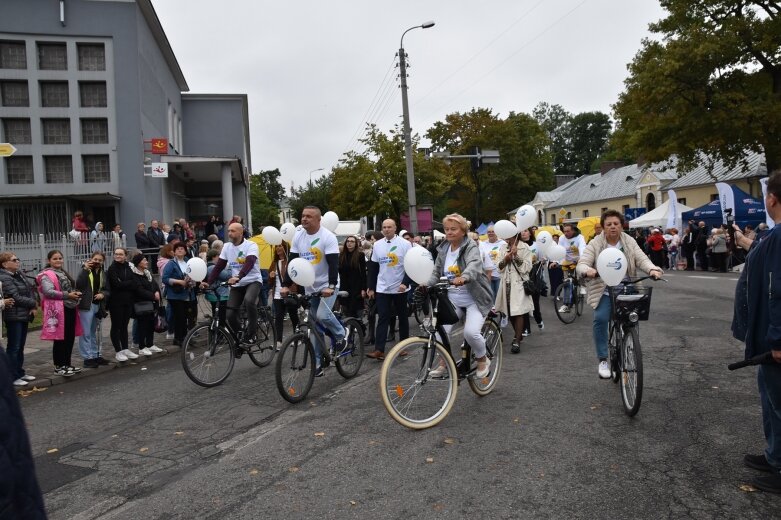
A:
x: 470, y: 261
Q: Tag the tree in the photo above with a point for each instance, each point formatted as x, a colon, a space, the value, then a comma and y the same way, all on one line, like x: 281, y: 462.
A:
x: 269, y: 182
x: 710, y: 84
x: 588, y: 134
x: 315, y: 194
x: 556, y: 121
x: 264, y: 211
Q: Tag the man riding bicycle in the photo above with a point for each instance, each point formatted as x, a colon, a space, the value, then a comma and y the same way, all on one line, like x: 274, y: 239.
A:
x: 319, y: 247
x: 241, y: 256
x: 574, y: 245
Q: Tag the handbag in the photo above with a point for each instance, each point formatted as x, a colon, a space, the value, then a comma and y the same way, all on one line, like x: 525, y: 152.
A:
x: 161, y: 324
x: 143, y: 308
x: 446, y: 311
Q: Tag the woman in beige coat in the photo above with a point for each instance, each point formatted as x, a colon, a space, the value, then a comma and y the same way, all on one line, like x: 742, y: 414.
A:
x: 598, y: 297
x: 515, y: 264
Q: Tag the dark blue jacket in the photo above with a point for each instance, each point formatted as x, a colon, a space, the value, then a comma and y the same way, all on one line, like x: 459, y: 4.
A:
x: 20, y: 496
x: 757, y: 315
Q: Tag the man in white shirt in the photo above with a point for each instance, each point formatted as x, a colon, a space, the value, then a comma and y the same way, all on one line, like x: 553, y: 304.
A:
x: 388, y: 285
x: 319, y: 247
x: 492, y: 247
x: 574, y: 245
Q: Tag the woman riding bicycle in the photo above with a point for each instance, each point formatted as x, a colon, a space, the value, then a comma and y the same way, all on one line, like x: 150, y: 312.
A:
x: 460, y: 260
x: 598, y: 296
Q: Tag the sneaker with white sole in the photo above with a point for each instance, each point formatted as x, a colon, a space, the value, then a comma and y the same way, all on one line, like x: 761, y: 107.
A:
x: 604, y: 370
x: 155, y: 349
x: 130, y: 354
x: 564, y: 308
x: 28, y: 378
x: 440, y: 371
x: 541, y: 325
x: 63, y: 371
x: 120, y: 356
x: 485, y: 371
x: 20, y: 382
x: 144, y: 352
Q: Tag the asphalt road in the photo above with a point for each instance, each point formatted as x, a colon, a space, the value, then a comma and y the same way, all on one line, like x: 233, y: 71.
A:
x: 552, y: 441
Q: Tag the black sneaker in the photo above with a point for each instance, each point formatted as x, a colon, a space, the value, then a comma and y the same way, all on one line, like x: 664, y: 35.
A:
x: 319, y: 372
x: 516, y: 347
x: 102, y: 361
x: 63, y: 371
x: 769, y: 483
x: 91, y: 363
x: 758, y: 462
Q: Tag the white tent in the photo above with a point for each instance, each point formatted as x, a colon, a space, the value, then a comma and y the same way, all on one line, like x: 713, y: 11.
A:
x: 657, y: 217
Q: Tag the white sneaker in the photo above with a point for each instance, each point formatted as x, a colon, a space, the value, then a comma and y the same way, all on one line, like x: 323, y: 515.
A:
x: 155, y: 349
x: 144, y: 352
x: 563, y: 308
x: 28, y: 378
x: 120, y: 356
x: 279, y: 345
x: 130, y: 354
x: 541, y: 325
x: 169, y: 336
x: 20, y: 382
x: 604, y: 370
x: 484, y: 372
x: 440, y: 371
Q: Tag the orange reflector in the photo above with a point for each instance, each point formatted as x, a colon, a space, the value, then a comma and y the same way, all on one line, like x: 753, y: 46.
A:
x: 626, y: 378
x: 291, y: 391
x: 399, y: 391
x: 485, y: 381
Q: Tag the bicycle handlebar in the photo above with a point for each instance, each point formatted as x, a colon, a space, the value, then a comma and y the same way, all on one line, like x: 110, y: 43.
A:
x: 760, y: 359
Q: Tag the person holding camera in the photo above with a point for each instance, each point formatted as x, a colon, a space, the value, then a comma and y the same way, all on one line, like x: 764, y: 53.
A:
x: 94, y: 291
x: 18, y: 313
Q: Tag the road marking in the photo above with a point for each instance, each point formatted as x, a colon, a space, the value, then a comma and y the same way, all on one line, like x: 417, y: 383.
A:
x: 713, y: 278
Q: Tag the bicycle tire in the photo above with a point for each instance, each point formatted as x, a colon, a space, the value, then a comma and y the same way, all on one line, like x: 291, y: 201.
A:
x: 558, y: 301
x: 262, y: 354
x: 349, y: 360
x: 201, y: 350
x: 402, y: 377
x: 494, y: 351
x: 295, y: 368
x: 612, y: 345
x: 631, y: 372
x: 580, y: 300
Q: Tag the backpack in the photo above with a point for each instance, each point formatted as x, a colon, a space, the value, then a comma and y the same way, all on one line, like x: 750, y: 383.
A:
x: 536, y: 282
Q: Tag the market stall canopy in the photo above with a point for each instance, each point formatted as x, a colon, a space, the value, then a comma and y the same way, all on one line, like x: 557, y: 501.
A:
x: 748, y: 210
x: 658, y: 216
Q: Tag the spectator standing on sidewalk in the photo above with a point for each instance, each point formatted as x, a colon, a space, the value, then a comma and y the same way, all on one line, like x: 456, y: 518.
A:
x: 98, y: 238
x: 120, y: 305
x: 92, y: 283
x: 146, y: 292
x: 156, y: 240
x: 117, y: 237
x: 179, y: 290
x: 166, y: 254
x: 19, y: 310
x: 142, y: 240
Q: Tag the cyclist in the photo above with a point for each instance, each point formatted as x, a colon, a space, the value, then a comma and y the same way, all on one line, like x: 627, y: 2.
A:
x: 612, y: 222
x: 319, y: 246
x: 241, y: 255
x: 574, y: 244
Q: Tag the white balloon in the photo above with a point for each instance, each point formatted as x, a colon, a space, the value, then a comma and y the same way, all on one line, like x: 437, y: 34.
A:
x: 525, y: 217
x: 544, y: 241
x: 505, y: 229
x: 301, y: 272
x: 418, y: 264
x: 288, y: 231
x: 196, y: 269
x: 556, y: 253
x: 329, y: 221
x: 611, y: 264
x: 272, y: 235
x: 402, y: 233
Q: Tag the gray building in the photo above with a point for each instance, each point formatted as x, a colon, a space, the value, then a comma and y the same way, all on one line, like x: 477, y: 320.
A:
x: 85, y: 86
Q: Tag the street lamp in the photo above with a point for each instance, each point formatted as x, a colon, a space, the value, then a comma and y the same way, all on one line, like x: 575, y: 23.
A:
x: 413, y: 210
x: 310, y: 175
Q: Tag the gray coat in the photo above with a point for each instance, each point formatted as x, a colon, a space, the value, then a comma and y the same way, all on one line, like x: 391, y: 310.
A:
x: 15, y: 286
x: 470, y: 261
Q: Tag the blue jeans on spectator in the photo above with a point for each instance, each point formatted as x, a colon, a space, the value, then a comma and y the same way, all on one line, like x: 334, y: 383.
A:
x: 88, y: 344
x: 264, y: 288
x: 495, y: 286
x: 601, y: 326
x: 17, y: 336
x: 169, y: 317
x: 769, y: 382
x: 136, y: 335
x: 320, y: 311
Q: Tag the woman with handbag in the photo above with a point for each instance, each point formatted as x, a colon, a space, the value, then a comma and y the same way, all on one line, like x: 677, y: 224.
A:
x: 178, y: 289
x: 61, y: 323
x: 122, y: 287
x: 276, y: 275
x: 92, y: 284
x: 512, y: 300
x: 147, y: 297
x: 527, y: 237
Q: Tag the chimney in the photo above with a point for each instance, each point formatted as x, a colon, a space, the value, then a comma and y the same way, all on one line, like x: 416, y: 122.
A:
x: 610, y: 165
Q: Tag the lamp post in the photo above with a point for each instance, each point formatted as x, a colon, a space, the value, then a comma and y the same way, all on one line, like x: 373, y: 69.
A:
x: 310, y: 175
x: 413, y: 210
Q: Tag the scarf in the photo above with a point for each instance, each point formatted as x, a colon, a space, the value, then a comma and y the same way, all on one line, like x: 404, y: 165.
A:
x: 137, y: 271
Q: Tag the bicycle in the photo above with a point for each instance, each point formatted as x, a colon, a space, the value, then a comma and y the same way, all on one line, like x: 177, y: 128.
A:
x: 574, y: 302
x: 630, y: 304
x: 296, y: 366
x: 417, y: 398
x: 209, y: 350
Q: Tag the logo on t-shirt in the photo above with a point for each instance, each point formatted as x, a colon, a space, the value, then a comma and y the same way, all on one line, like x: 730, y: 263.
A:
x: 391, y: 259
x: 453, y: 272
x: 494, y: 253
x: 314, y: 255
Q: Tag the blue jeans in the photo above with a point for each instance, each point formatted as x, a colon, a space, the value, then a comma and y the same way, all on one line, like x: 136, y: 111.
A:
x: 322, y: 314
x: 264, y: 288
x: 769, y: 382
x: 17, y: 336
x: 169, y: 318
x: 88, y: 344
x: 601, y: 326
x: 495, y: 286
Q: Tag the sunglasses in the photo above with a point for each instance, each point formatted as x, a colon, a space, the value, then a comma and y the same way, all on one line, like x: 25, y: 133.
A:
x: 14, y: 260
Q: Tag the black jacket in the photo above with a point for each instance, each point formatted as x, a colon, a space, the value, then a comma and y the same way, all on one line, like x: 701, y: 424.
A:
x: 353, y: 280
x: 155, y: 237
x: 144, y: 289
x: 121, y: 284
x: 15, y: 286
x: 83, y: 284
x: 142, y: 241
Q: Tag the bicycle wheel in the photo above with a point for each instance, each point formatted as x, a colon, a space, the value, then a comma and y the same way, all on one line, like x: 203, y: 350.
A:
x: 412, y: 397
x: 295, y: 368
x: 631, y: 372
x: 263, y: 353
x: 559, y: 302
x: 493, y: 346
x: 349, y: 360
x: 612, y: 345
x: 207, y: 355
x: 580, y: 300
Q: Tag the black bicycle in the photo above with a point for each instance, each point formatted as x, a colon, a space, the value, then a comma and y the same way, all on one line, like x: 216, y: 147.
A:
x: 569, y: 297
x: 296, y: 366
x: 210, y: 350
x: 419, y: 378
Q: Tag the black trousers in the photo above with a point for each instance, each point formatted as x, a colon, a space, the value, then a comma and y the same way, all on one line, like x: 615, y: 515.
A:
x: 120, y: 317
x: 390, y: 305
x: 689, y: 254
x: 146, y: 330
x: 180, y: 309
x: 537, y: 314
x: 279, y: 316
x: 247, y: 296
x: 62, y: 348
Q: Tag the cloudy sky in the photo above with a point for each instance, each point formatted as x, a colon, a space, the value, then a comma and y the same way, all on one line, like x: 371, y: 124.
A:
x: 317, y: 71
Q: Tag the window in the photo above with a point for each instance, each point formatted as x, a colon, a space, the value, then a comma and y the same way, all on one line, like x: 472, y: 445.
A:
x: 714, y: 196
x: 14, y: 94
x: 552, y: 218
x: 52, y: 56
x: 59, y: 169
x: 585, y: 213
x: 17, y: 131
x: 93, y: 93
x: 54, y: 94
x: 13, y: 55
x: 601, y: 211
x: 56, y: 131
x: 682, y: 201
x: 19, y: 170
x: 94, y: 131
x: 624, y: 208
x: 92, y: 56
x: 569, y: 215
x: 96, y: 168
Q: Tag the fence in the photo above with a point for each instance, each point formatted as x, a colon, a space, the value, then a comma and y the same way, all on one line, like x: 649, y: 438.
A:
x: 32, y: 248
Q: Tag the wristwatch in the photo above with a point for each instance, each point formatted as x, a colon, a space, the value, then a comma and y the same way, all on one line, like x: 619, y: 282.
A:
x: 331, y: 286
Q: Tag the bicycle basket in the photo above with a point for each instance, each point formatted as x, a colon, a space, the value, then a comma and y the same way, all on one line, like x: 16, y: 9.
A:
x: 630, y: 299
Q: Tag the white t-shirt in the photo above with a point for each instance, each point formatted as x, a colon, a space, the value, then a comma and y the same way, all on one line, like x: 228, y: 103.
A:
x: 314, y: 248
x: 573, y: 246
x: 390, y: 255
x: 278, y: 282
x: 458, y: 295
x: 492, y: 249
x: 236, y: 255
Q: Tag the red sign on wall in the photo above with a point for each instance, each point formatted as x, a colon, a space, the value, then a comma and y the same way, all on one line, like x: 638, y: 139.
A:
x: 160, y: 145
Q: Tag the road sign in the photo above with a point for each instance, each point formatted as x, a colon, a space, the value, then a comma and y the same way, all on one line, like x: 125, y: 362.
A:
x: 490, y: 156
x: 160, y: 170
x: 562, y: 212
x: 160, y: 145
x: 7, y: 149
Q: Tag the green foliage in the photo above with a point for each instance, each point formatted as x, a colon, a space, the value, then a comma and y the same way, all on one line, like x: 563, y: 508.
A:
x: 317, y: 194
x: 264, y: 211
x: 710, y: 84
x: 269, y: 182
